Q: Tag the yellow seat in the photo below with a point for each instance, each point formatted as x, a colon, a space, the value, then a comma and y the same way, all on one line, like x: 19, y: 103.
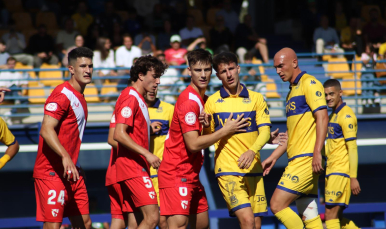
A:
x: 50, y: 78
x: 22, y: 20
x: 32, y: 74
x: 342, y: 69
x: 326, y: 57
x: 91, y: 93
x: 38, y: 92
x: 348, y: 85
x: 270, y: 83
x: 197, y: 14
x: 357, y: 66
x: 211, y: 16
x: 108, y: 88
x: 47, y: 18
x: 13, y: 5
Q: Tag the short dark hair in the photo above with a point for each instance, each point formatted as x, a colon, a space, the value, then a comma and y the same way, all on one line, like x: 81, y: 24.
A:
x: 11, y: 58
x: 126, y: 35
x: 145, y: 64
x: 2, y: 41
x: 79, y: 52
x: 332, y: 83
x: 199, y: 55
x: 224, y: 58
x: 248, y: 56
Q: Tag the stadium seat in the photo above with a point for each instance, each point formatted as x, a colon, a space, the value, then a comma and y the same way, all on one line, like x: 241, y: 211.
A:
x: 31, y: 74
x: 366, y: 9
x: 108, y: 88
x: 22, y: 20
x: 338, y: 67
x: 270, y: 83
x: 48, y: 19
x: 211, y: 16
x: 50, y: 78
x: 348, y: 87
x: 357, y: 67
x: 124, y: 15
x: 13, y: 6
x: 263, y: 76
x: 38, y: 92
x: 197, y: 14
x: 381, y: 74
x: 91, y: 93
x: 326, y: 57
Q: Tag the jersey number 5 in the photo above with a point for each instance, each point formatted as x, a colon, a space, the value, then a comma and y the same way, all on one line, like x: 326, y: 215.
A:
x: 52, y: 194
x: 147, y: 182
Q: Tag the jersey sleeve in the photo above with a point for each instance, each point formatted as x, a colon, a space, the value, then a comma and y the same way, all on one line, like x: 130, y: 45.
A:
x: 349, y: 127
x: 6, y: 137
x: 314, y: 93
x: 57, y: 105
x: 112, y: 121
x: 262, y: 112
x: 125, y: 111
x: 188, y: 113
x: 209, y: 110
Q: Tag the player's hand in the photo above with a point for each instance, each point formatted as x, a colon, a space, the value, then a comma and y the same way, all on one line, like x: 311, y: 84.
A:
x: 155, y: 127
x: 153, y: 160
x: 283, y: 138
x: 246, y: 159
x: 267, y: 165
x: 205, y: 119
x: 2, y: 93
x: 355, y: 188
x: 274, y: 139
x: 70, y: 169
x: 317, y: 163
x: 236, y: 125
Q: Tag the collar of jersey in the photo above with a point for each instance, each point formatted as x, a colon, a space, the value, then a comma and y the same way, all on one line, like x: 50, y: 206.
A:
x: 157, y: 103
x: 244, y: 92
x: 339, y: 108
x: 298, y: 78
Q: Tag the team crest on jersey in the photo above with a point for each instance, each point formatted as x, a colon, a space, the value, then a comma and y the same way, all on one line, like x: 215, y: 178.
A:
x: 152, y: 195
x: 295, y: 179
x: 55, y: 212
x: 190, y: 118
x: 318, y: 93
x: 52, y: 106
x: 113, y: 119
x: 233, y: 199
x: 348, y: 116
x: 126, y: 112
x: 184, y: 204
x: 159, y: 110
x: 247, y: 100
x: 220, y: 100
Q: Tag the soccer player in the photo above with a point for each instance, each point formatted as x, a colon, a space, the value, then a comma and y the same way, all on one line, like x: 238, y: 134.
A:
x: 182, y: 196
x: 342, y: 157
x: 307, y: 121
x: 60, y: 189
x: 132, y: 132
x: 237, y: 160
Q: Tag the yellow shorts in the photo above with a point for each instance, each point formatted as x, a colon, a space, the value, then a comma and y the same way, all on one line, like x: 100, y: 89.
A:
x: 299, y: 179
x: 338, y: 190
x: 241, y: 192
x: 154, y: 180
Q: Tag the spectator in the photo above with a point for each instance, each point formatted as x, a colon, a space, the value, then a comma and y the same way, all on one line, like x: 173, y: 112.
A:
x: 145, y: 41
x: 175, y: 55
x: 163, y: 39
x: 92, y: 36
x: 251, y: 76
x: 41, y: 45
x: 15, y: 82
x: 351, y: 38
x: 79, y: 42
x: 3, y: 55
x: 82, y: 19
x: 220, y: 36
x: 65, y: 38
x: 170, y: 77
x: 190, y: 33
x: 340, y: 20
x: 326, y: 39
x: 116, y: 37
x: 15, y: 43
x: 179, y: 16
x: 133, y: 24
x: 104, y: 58
x: 373, y: 31
x: 199, y: 43
x: 107, y: 19
x: 124, y: 56
x: 230, y: 16
x: 368, y: 59
x: 247, y: 40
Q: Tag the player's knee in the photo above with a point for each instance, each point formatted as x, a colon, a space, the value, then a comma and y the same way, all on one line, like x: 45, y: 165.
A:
x: 152, y: 219
x: 275, y: 206
x: 246, y: 221
x: 87, y: 223
x: 162, y: 223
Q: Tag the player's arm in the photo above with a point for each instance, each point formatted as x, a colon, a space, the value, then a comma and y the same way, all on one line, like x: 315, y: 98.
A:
x: 121, y: 136
x: 8, y: 139
x: 268, y: 163
x: 49, y: 135
x: 321, y: 120
x: 195, y: 143
x: 110, y: 138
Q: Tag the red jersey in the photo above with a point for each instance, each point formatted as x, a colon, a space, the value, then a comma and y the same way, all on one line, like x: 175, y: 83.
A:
x: 175, y: 55
x: 111, y: 174
x: 69, y: 107
x: 180, y: 167
x: 131, y: 110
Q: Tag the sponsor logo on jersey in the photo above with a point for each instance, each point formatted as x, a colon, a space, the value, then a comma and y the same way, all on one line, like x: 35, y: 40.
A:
x: 318, y: 93
x: 282, y: 183
x: 312, y: 82
x: 247, y: 101
x: 126, y: 112
x: 184, y: 204
x: 190, y: 118
x: 338, y: 194
x: 52, y: 106
x: 55, y: 212
x: 220, y: 100
x: 266, y: 111
x: 348, y: 116
x: 295, y: 179
x: 76, y: 105
x: 152, y: 195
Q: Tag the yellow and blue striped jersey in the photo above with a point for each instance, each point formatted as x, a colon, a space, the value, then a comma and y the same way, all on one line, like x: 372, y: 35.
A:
x: 6, y: 137
x: 306, y: 96
x: 159, y: 112
x: 229, y: 150
x: 341, y: 129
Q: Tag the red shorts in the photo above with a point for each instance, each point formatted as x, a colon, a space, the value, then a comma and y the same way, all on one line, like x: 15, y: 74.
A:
x: 138, y: 191
x: 183, y: 200
x: 116, y: 200
x: 55, y: 200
